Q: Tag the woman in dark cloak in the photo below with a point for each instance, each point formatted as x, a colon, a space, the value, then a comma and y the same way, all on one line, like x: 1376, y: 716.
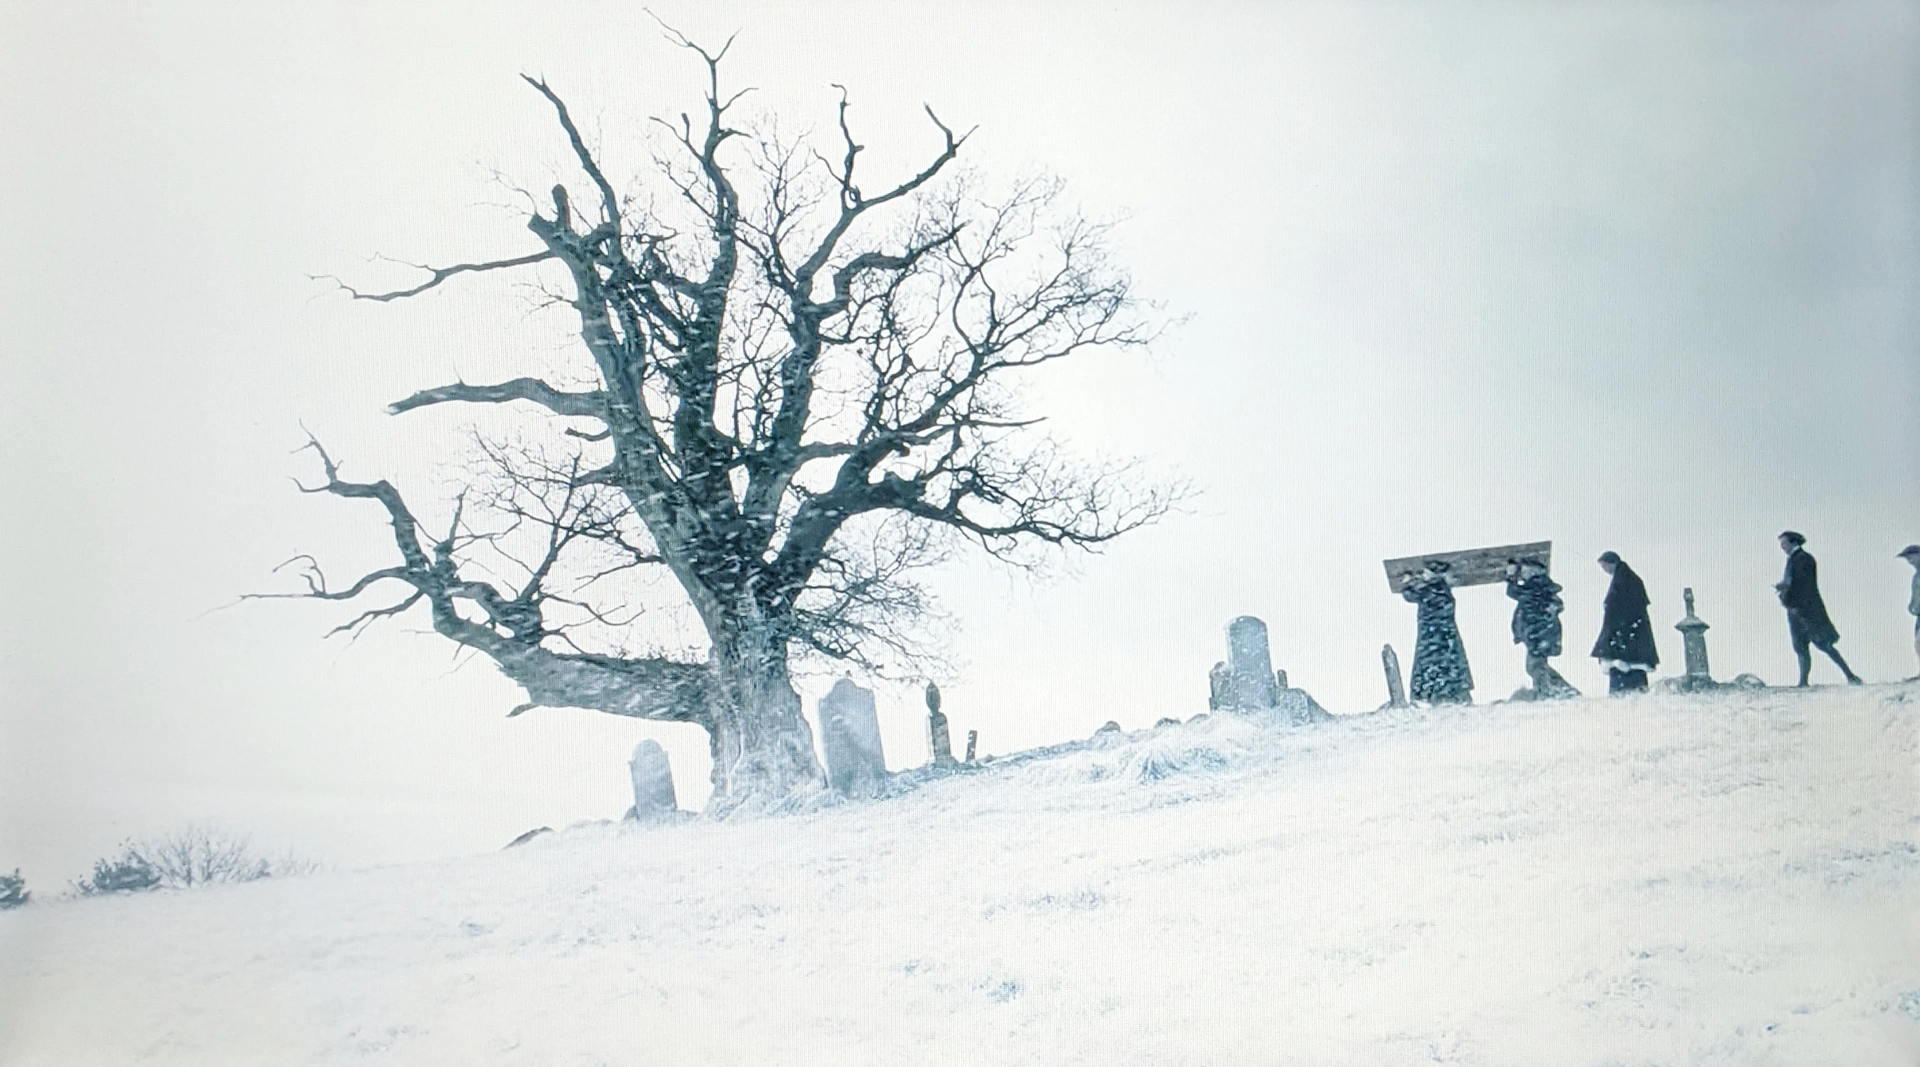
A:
x: 1625, y: 647
x: 1536, y: 625
x: 1440, y: 674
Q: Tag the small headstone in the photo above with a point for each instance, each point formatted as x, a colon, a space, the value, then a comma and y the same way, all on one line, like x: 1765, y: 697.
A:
x: 1219, y: 687
x: 1110, y: 728
x: 939, y: 744
x: 1166, y: 721
x: 973, y: 740
x: 653, y: 797
x: 1396, y: 690
x: 850, y: 736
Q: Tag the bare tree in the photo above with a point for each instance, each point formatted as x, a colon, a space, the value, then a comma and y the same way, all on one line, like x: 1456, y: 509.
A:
x: 797, y: 393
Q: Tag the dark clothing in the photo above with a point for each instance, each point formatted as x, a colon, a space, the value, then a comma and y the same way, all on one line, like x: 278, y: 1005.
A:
x: 1536, y: 614
x: 1440, y: 674
x: 1626, y: 682
x: 1626, y: 634
x: 1799, y: 590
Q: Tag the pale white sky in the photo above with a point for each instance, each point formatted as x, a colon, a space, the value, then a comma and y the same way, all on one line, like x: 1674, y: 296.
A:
x: 1628, y: 276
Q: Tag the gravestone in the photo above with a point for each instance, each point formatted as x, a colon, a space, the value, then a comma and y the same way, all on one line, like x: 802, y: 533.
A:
x: 850, y: 736
x: 1693, y: 635
x: 973, y: 740
x: 653, y: 798
x: 1250, y: 662
x: 1396, y: 690
x: 1246, y: 682
x: 1699, y: 676
x: 939, y: 744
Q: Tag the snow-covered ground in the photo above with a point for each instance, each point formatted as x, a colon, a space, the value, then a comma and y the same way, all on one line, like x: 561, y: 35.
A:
x: 1728, y: 880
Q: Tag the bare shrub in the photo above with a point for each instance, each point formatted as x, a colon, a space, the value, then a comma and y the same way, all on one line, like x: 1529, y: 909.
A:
x: 196, y: 855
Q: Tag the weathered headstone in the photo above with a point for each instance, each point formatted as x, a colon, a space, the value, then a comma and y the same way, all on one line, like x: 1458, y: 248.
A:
x: 973, y: 741
x: 1251, y: 663
x: 1396, y: 690
x: 1699, y: 676
x: 939, y: 744
x: 653, y: 797
x: 1693, y: 635
x: 1246, y: 682
x: 1219, y: 686
x: 850, y: 736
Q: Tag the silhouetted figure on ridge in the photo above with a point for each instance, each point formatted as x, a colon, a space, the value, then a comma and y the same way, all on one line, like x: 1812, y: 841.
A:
x: 1807, y: 619
x: 1625, y: 647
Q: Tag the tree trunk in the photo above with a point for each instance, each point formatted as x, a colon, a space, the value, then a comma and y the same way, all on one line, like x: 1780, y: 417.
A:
x: 762, y: 747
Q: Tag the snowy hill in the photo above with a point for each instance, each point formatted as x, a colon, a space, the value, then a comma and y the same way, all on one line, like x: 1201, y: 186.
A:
x: 1666, y: 880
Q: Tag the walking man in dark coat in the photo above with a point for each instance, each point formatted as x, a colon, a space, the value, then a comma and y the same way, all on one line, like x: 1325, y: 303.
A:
x: 1536, y: 624
x: 1625, y: 647
x: 1807, y: 619
x: 1440, y: 674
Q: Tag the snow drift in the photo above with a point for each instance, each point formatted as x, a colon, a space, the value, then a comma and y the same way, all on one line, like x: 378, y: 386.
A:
x: 1728, y: 879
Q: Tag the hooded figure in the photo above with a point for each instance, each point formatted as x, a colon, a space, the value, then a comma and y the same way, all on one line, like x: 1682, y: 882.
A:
x: 1536, y: 624
x: 1625, y: 646
x: 1807, y: 620
x: 1440, y: 674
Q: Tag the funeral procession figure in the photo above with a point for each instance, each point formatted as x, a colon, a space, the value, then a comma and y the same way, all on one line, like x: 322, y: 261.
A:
x: 1440, y: 674
x: 1625, y: 647
x: 1807, y: 619
x: 1536, y: 625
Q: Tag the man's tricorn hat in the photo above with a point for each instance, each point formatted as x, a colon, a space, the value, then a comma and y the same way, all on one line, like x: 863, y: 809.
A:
x: 1793, y: 536
x: 1609, y: 557
x: 1910, y: 550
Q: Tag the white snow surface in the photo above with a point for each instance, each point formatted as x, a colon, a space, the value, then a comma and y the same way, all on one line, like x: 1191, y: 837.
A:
x: 1729, y: 879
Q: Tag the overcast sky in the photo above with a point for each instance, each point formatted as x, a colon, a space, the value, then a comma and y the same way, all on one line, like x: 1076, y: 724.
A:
x: 1624, y: 276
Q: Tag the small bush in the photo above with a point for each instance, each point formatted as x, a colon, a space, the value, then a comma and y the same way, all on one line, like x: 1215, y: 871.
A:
x: 129, y: 872
x: 13, y: 890
x: 197, y: 855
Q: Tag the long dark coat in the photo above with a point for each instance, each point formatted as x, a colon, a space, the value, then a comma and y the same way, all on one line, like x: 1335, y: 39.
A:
x: 1536, y: 614
x: 1626, y: 634
x: 1800, y: 592
x: 1440, y: 674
